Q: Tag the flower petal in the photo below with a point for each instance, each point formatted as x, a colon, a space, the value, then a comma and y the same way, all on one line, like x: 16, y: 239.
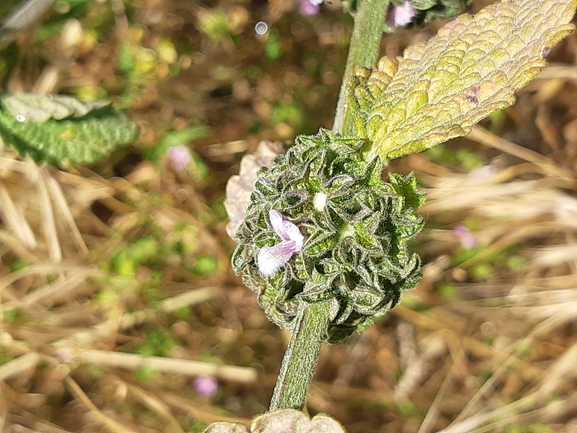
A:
x: 308, y: 8
x: 206, y: 385
x: 468, y: 239
x: 294, y: 235
x: 276, y: 222
x: 287, y: 230
x: 400, y: 16
x: 271, y: 259
x: 179, y: 157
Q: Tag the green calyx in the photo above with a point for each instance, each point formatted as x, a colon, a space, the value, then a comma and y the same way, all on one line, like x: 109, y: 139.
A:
x: 430, y: 10
x: 356, y: 228
x: 427, y: 10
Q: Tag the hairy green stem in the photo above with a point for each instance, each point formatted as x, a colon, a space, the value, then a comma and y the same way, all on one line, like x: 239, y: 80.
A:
x: 300, y: 359
x: 363, y: 51
x: 310, y: 329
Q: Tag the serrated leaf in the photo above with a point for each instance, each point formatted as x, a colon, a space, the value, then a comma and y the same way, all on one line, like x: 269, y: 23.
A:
x: 472, y: 68
x: 39, y: 108
x: 71, y: 141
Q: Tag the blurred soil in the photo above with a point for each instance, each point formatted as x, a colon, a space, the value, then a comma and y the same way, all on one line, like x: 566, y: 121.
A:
x: 115, y: 285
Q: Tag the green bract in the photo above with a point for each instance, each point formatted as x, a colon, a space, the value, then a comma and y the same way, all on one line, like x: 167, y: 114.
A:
x: 430, y: 10
x: 356, y: 228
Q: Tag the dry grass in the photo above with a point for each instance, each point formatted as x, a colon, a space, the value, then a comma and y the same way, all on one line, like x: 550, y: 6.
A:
x: 93, y: 339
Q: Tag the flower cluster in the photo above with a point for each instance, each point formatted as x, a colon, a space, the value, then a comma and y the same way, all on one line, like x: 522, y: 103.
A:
x: 323, y: 225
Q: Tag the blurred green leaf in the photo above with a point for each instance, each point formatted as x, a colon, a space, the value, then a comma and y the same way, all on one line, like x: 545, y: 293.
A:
x: 40, y: 108
x: 167, y: 51
x: 214, y: 23
x: 205, y: 265
x: 70, y: 133
x: 515, y: 262
x: 158, y: 343
x: 143, y: 249
x: 448, y: 291
x: 123, y: 264
x: 126, y: 58
x: 73, y: 8
x: 14, y: 314
x: 482, y: 271
x: 145, y: 374
x: 17, y: 265
x: 5, y: 356
x: 273, y: 46
x: 287, y: 113
x: 469, y: 159
x: 408, y: 409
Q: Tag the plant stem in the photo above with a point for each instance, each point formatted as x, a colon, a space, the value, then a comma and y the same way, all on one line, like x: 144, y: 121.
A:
x: 363, y: 51
x: 310, y: 329
x: 300, y: 359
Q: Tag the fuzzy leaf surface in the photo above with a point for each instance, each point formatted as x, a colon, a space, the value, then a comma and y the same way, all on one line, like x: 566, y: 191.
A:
x: 40, y: 108
x: 73, y: 140
x: 471, y: 68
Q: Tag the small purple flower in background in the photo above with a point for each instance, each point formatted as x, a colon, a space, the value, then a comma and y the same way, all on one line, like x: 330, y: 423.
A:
x: 400, y: 16
x: 310, y: 7
x: 482, y: 173
x: 206, y: 386
x: 179, y: 157
x: 468, y: 239
x: 271, y: 259
x: 64, y: 355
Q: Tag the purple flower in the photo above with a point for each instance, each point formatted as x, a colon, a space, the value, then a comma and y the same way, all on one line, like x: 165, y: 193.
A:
x: 482, y: 173
x: 271, y: 259
x: 468, y: 239
x: 400, y: 16
x: 310, y: 7
x: 64, y: 355
x: 179, y: 157
x: 205, y: 385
